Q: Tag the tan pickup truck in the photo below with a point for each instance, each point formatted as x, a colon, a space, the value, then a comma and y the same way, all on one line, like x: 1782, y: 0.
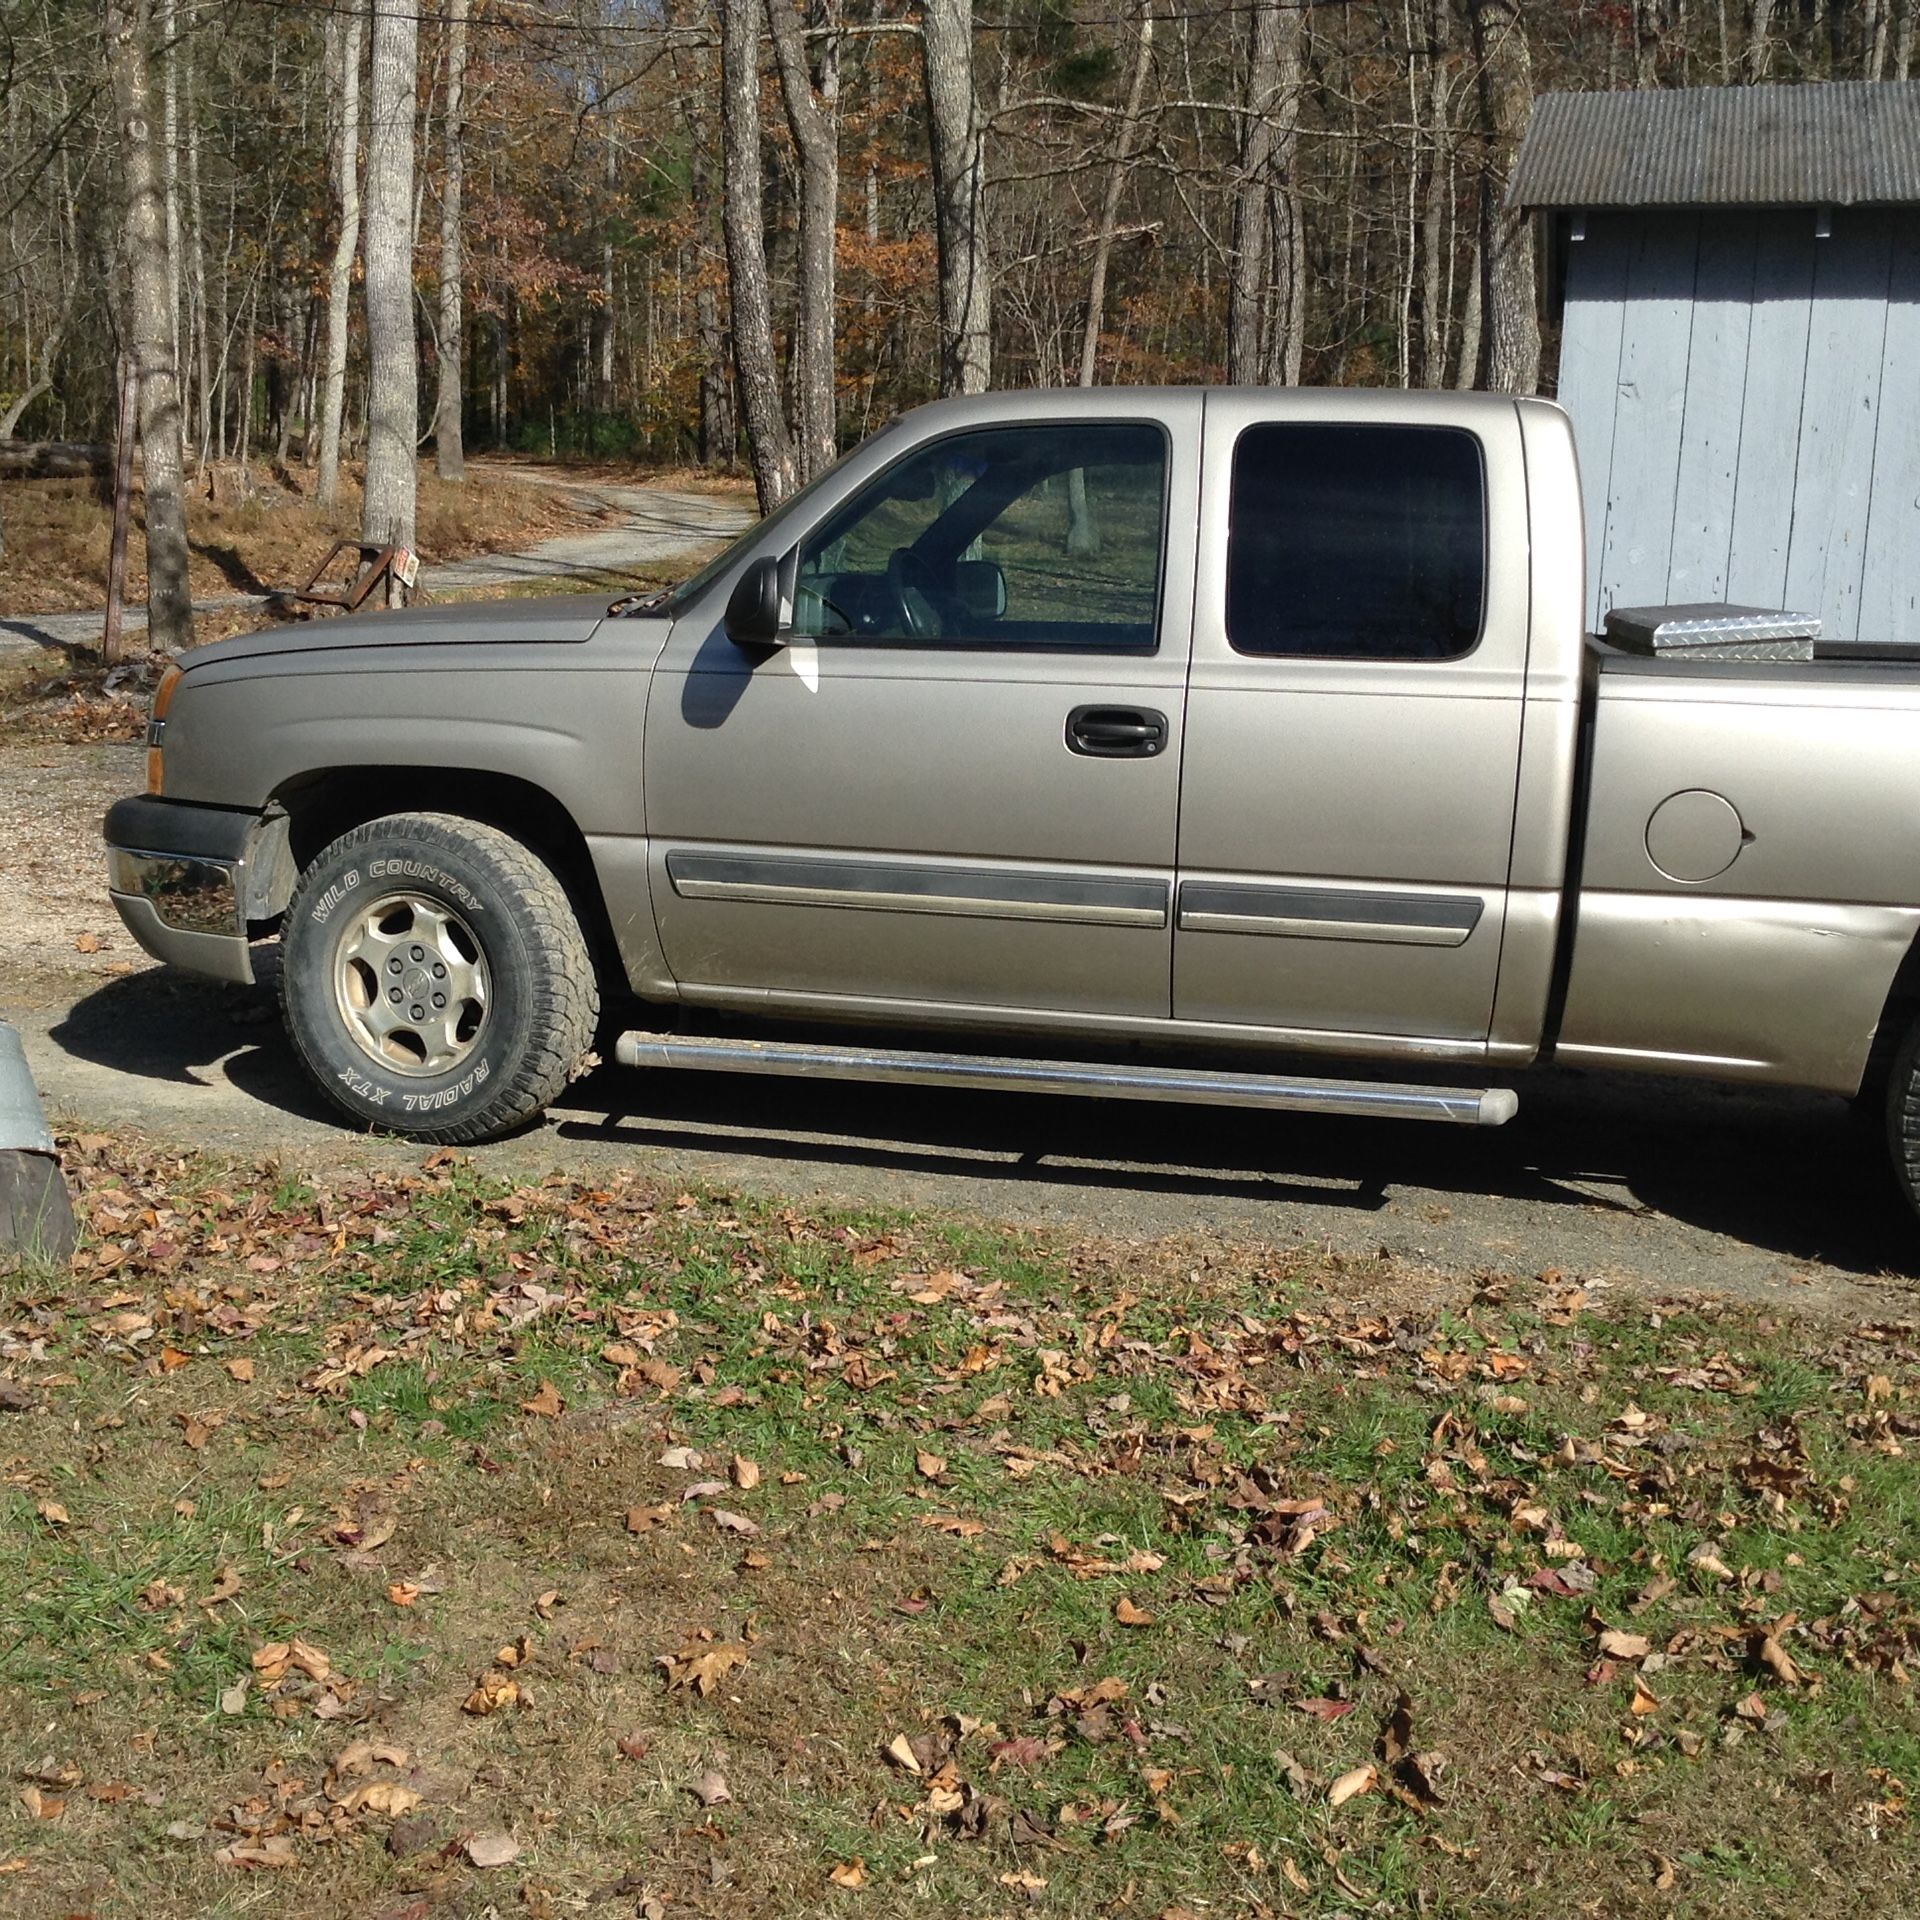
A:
x: 1235, y: 746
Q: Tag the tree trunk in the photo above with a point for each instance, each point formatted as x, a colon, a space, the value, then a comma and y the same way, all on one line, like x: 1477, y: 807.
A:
x: 129, y: 36
x: 1435, y: 308
x: 958, y: 154
x: 448, y: 446
x: 343, y: 34
x: 393, y: 374
x: 1123, y: 147
x: 197, y: 283
x: 811, y: 92
x: 769, y: 445
x: 1903, y: 40
x: 1759, y: 37
x: 1506, y: 98
x: 1261, y: 294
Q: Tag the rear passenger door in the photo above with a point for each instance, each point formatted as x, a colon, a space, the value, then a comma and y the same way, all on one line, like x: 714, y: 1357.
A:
x: 1353, y: 720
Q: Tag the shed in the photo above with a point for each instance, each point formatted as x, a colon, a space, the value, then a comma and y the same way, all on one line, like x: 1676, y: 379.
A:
x: 1739, y: 272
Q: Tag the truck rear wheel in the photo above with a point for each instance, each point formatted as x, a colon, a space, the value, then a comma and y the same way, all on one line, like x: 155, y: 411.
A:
x: 434, y: 978
x: 1903, y: 1115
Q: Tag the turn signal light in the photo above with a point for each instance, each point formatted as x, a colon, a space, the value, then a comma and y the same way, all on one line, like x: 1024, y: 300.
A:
x: 157, y: 730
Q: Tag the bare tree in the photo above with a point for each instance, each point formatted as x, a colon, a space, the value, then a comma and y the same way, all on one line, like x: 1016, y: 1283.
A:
x: 393, y: 389
x: 448, y: 448
x: 769, y: 445
x: 812, y: 97
x: 958, y: 140
x: 343, y: 47
x: 1511, y: 297
x: 1759, y: 39
x: 1264, y: 294
x: 129, y: 37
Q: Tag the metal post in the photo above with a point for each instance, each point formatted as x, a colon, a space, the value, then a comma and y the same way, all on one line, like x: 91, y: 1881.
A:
x: 36, y: 1211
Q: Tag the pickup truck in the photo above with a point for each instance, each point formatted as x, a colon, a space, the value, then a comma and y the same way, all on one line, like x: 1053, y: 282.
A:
x: 1227, y: 745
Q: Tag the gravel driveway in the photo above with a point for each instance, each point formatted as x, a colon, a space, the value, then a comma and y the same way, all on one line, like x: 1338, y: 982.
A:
x: 1646, y: 1185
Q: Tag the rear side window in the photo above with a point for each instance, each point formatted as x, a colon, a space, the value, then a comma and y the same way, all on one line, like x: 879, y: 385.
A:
x: 1356, y: 542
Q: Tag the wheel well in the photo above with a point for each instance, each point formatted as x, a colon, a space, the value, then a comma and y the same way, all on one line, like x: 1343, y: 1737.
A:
x: 321, y: 806
x: 1902, y: 1008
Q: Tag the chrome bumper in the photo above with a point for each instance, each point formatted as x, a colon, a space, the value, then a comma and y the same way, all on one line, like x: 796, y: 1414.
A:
x: 186, y: 903
x: 185, y: 913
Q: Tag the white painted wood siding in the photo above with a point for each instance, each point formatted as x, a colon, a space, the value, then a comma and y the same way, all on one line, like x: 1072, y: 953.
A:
x: 1746, y: 399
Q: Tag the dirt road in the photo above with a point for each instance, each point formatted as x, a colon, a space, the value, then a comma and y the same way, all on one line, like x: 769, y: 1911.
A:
x: 640, y: 528
x: 1649, y: 1186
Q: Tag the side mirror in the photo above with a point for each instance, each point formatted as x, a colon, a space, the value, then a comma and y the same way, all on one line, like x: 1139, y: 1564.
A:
x: 981, y: 588
x: 752, y: 618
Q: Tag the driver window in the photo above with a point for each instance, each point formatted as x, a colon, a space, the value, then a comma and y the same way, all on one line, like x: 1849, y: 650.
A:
x: 1044, y: 537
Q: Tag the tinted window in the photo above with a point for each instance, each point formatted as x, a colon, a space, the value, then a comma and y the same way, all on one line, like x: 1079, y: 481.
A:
x: 1013, y: 536
x: 1356, y: 542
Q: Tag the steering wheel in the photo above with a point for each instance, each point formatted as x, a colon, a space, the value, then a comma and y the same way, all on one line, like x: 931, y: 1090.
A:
x: 915, y: 594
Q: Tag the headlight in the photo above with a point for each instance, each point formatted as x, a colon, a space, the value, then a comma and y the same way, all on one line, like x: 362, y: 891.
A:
x: 157, y: 730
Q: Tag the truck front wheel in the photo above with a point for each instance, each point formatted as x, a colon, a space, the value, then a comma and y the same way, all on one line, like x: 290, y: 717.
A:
x: 434, y: 978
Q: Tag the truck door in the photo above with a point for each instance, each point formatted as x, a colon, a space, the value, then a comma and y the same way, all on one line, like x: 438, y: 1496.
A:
x: 1353, y: 719
x: 957, y: 786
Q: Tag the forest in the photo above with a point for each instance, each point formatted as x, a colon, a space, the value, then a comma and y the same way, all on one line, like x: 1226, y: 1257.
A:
x: 314, y: 232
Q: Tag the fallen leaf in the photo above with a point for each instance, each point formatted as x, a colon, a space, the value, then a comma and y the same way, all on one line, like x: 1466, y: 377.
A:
x: 492, y: 1849
x: 1776, y: 1659
x: 680, y: 1459
x: 241, y: 1370
x: 702, y: 1665
x: 88, y: 943
x: 547, y: 1402
x: 710, y: 1789
x: 1645, y: 1700
x: 746, y: 1473
x: 1624, y: 1646
x: 274, y: 1851
x: 849, y: 1873
x: 635, y: 1746
x: 496, y: 1690
x: 900, y: 1751
x: 42, y: 1806
x: 1356, y: 1780
x: 929, y: 1465
x: 645, y: 1519
x: 1327, y: 1709
x: 954, y: 1524
x: 403, y: 1593
x: 732, y: 1522
x: 1130, y: 1615
x: 387, y: 1798
x: 53, y: 1513
x: 233, y: 1699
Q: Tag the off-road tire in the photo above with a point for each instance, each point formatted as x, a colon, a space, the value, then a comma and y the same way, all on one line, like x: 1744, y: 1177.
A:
x: 1903, y: 1115
x: 542, y: 996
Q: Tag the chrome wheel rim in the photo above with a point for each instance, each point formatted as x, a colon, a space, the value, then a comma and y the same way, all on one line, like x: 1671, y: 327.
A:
x: 412, y: 985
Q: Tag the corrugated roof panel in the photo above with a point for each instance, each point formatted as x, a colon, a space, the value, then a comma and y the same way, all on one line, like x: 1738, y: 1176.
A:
x: 1839, y: 143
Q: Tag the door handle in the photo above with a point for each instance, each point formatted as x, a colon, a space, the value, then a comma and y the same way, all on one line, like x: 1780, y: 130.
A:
x: 1116, y: 733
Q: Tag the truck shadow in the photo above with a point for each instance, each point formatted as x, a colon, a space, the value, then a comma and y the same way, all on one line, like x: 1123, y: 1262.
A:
x: 1791, y: 1174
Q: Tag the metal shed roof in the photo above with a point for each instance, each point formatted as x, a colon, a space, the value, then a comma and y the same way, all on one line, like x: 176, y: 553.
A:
x: 1824, y: 143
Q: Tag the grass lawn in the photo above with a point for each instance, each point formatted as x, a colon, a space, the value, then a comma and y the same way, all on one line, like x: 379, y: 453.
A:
x: 408, y: 1545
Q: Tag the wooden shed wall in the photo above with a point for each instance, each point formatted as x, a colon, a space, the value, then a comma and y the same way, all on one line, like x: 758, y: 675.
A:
x: 1746, y: 400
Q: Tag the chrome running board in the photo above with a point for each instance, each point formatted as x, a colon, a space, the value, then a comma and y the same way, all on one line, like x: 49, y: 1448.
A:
x: 1383, y: 1100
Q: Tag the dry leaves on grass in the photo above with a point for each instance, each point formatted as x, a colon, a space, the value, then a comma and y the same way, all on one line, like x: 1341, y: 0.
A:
x: 702, y: 1664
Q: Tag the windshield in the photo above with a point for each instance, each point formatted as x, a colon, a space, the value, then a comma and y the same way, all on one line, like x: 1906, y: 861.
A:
x: 688, y: 590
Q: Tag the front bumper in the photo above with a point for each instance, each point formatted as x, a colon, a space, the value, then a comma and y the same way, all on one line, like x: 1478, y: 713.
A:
x: 187, y: 879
